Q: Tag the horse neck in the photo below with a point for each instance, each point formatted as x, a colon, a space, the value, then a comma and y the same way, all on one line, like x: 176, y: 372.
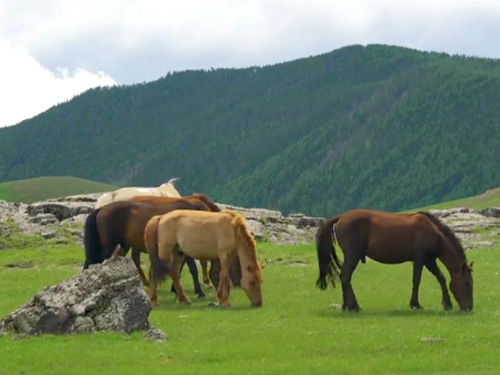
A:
x: 248, y: 259
x: 451, y: 259
x: 168, y: 191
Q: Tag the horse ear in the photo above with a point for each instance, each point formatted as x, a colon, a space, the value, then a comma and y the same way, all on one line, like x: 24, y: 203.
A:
x: 471, y: 264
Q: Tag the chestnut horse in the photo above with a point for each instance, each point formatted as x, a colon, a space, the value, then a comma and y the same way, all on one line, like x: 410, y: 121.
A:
x: 121, y: 224
x: 393, y: 238
x: 202, y: 235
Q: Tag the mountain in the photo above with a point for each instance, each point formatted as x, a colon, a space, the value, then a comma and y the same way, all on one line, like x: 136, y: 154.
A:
x: 374, y: 126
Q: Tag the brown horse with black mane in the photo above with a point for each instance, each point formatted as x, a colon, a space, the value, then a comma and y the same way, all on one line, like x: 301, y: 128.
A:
x: 393, y: 238
x: 122, y: 224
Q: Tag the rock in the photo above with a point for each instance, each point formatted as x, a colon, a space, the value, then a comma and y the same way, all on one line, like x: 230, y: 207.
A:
x: 155, y: 334
x: 68, y: 214
x: 490, y: 211
x: 60, y: 210
x: 105, y: 297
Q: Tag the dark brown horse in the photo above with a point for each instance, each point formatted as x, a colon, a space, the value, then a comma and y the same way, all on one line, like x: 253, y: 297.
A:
x: 122, y: 224
x: 393, y: 238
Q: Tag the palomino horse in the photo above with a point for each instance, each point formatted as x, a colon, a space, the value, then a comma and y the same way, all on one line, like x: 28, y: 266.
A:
x: 235, y: 272
x: 393, y: 238
x: 202, y: 235
x: 164, y: 190
x: 122, y: 223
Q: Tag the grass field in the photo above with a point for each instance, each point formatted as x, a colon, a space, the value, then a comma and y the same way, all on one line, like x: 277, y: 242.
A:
x: 295, y: 332
x: 41, y: 188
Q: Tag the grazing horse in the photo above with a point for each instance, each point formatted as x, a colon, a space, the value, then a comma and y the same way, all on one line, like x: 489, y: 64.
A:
x: 164, y: 190
x: 202, y: 235
x: 393, y: 238
x: 235, y: 272
x: 121, y: 225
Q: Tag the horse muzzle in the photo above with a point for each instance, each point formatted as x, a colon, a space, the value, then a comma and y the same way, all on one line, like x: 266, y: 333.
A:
x: 256, y: 304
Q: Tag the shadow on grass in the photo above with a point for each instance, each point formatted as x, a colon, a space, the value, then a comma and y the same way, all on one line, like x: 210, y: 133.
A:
x: 339, y: 314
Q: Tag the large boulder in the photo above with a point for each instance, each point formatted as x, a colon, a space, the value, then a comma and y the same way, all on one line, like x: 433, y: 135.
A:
x: 105, y: 297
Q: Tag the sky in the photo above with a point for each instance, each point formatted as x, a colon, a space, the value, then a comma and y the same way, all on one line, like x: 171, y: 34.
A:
x: 51, y: 50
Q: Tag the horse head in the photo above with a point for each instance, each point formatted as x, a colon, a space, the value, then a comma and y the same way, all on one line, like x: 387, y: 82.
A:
x: 168, y: 189
x: 461, y: 285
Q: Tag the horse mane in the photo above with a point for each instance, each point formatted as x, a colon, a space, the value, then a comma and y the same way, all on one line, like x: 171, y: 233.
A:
x: 239, y: 222
x: 447, y: 232
x: 207, y: 201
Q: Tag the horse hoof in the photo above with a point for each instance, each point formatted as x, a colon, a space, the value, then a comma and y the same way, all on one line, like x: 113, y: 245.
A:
x: 201, y: 296
x: 416, y: 307
x: 214, y: 304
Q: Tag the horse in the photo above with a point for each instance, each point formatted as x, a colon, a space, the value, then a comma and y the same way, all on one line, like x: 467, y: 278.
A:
x: 235, y: 271
x: 393, y: 238
x: 164, y: 190
x: 120, y: 226
x: 202, y: 235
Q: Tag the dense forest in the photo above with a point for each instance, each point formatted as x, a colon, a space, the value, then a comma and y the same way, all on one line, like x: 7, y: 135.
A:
x: 379, y: 127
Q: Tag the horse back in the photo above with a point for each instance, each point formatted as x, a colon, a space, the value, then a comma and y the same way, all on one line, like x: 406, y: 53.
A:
x: 200, y: 234
x: 386, y: 234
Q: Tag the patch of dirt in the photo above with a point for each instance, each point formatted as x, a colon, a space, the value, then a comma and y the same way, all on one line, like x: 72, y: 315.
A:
x: 286, y: 261
x: 432, y: 340
x: 20, y: 265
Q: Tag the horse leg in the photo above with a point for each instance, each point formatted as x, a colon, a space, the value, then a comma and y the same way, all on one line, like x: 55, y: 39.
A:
x: 136, y: 257
x: 153, y: 286
x: 348, y: 268
x: 175, y: 266
x: 224, y: 287
x: 418, y: 265
x: 193, y: 269
x: 172, y: 289
x: 432, y: 266
x: 204, y: 270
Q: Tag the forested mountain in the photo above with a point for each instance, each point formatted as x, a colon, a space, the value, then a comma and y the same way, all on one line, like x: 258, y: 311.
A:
x: 379, y: 127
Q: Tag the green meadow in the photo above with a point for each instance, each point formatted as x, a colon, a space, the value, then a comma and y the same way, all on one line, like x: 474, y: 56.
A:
x: 299, y: 329
x: 41, y: 188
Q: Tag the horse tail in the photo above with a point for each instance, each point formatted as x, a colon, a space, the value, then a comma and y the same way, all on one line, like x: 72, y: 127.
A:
x: 91, y: 240
x: 158, y: 267
x: 328, y: 261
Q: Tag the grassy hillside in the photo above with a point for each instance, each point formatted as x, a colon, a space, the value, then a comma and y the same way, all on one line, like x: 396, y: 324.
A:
x: 378, y: 127
x: 490, y: 198
x: 37, y: 189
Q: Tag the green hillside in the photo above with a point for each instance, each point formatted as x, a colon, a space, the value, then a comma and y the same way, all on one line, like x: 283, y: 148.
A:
x: 379, y: 127
x: 490, y: 198
x: 41, y: 188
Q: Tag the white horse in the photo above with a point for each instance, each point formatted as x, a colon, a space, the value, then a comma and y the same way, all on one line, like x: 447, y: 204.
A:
x: 166, y: 190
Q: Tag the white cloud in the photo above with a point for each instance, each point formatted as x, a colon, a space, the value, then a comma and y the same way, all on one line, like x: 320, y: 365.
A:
x: 136, y: 40
x: 27, y: 88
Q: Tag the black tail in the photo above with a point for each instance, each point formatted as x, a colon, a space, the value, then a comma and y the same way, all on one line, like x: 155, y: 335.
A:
x: 91, y: 240
x: 328, y: 261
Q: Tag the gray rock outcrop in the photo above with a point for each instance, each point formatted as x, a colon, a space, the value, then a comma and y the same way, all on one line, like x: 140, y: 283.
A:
x: 62, y: 219
x: 105, y: 297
